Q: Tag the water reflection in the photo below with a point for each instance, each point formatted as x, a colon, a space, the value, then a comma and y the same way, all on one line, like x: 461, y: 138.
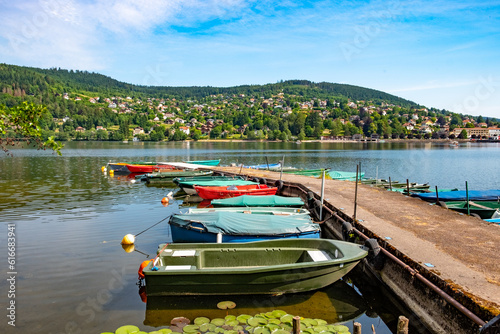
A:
x: 338, y: 302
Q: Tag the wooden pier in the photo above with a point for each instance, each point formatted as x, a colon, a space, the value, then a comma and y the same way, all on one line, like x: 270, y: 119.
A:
x: 443, y: 265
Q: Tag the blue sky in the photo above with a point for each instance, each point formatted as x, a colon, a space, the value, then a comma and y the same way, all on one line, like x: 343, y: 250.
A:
x: 442, y: 54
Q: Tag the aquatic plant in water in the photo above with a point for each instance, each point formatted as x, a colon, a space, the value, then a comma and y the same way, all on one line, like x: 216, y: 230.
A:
x: 275, y: 322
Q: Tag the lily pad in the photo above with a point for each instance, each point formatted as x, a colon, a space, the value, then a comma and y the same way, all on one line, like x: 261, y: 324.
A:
x: 287, y: 327
x: 232, y: 323
x: 218, y: 321
x: 261, y: 330
x: 201, y: 320
x: 308, y: 330
x: 204, y: 327
x: 180, y: 322
x: 219, y: 330
x: 340, y: 328
x: 226, y: 305
x: 231, y: 332
x: 191, y: 328
x: 127, y: 329
x: 269, y: 315
x: 274, y: 321
x: 280, y: 331
x: 230, y: 317
x: 320, y: 328
x: 287, y: 318
x: 273, y: 327
x: 238, y: 328
x: 321, y: 322
x: 176, y: 329
x: 278, y: 313
x: 256, y: 321
x: 165, y: 331
x: 308, y: 322
x: 242, y: 318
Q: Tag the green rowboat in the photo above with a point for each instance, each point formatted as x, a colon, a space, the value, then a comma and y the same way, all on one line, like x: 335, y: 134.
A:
x: 484, y: 209
x: 170, y: 175
x: 261, y: 267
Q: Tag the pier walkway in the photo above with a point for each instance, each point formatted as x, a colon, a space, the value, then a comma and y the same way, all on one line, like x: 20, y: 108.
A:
x: 463, y: 250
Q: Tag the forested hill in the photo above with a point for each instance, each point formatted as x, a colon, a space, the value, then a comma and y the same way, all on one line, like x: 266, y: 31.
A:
x: 36, y: 81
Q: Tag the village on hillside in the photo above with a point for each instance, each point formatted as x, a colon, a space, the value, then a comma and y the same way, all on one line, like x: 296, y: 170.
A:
x: 278, y: 117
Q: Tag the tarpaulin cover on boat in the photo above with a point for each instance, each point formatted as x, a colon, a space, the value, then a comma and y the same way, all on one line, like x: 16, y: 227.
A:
x: 474, y: 195
x: 235, y: 223
x: 249, y: 200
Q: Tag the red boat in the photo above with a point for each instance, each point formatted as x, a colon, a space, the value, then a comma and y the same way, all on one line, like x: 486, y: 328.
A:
x: 148, y: 168
x: 233, y: 191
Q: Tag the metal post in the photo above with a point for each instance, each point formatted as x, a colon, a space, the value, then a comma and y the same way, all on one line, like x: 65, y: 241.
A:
x: 437, y: 195
x: 376, y: 177
x: 267, y: 161
x: 390, y: 184
x: 322, y: 195
x: 356, y: 193
x: 282, y: 164
x: 408, y: 186
x: 467, y: 197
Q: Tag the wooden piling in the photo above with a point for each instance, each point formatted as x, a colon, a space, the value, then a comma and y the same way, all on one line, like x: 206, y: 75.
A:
x: 402, y: 325
x: 296, y: 325
x: 356, y: 328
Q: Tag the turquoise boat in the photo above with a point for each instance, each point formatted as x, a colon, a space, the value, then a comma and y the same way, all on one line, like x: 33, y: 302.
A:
x: 264, y: 210
x: 344, y: 176
x: 255, y: 201
x: 204, y: 162
x: 187, y: 183
x: 264, y: 267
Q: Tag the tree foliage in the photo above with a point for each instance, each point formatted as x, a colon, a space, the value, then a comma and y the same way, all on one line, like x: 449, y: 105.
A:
x: 24, y: 121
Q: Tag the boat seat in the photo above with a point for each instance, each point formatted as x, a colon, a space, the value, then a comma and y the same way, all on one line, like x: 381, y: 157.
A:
x: 179, y: 267
x: 184, y: 253
x: 318, y: 255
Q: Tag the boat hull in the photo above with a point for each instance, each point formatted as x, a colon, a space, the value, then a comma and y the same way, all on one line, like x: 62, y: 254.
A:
x: 169, y: 176
x: 223, y: 192
x: 181, y: 234
x: 265, y: 267
x: 204, y: 162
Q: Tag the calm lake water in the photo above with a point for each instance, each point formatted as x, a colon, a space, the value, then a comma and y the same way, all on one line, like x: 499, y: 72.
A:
x: 72, y: 275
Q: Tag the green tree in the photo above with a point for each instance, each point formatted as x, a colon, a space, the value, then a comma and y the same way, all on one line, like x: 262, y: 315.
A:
x: 24, y: 120
x: 463, y: 134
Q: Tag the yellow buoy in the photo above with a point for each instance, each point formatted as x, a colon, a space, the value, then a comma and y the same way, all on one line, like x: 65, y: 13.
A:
x: 128, y: 248
x: 164, y: 200
x: 111, y: 172
x: 129, y: 239
x: 103, y: 169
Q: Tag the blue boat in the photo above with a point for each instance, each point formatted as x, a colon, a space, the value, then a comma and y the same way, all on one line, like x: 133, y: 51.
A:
x: 240, y: 227
x: 474, y: 195
x: 493, y: 220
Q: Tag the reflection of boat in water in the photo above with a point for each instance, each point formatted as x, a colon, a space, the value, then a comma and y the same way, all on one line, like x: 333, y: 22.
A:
x: 338, y: 302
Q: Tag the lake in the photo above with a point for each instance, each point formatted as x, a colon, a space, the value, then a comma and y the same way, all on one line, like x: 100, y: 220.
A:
x: 72, y: 275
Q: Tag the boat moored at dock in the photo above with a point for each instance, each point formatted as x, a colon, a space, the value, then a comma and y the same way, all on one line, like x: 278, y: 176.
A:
x: 262, y: 267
